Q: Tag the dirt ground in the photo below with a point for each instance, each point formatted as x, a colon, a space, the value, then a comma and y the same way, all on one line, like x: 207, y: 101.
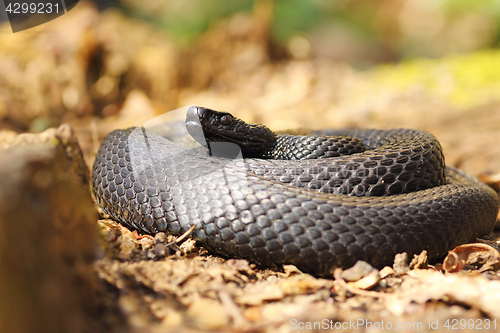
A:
x: 114, y: 72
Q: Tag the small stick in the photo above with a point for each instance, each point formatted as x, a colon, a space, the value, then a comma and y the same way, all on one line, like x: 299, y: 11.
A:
x: 181, y: 238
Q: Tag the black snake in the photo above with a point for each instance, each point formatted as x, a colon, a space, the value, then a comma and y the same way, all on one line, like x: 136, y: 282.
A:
x: 366, y: 195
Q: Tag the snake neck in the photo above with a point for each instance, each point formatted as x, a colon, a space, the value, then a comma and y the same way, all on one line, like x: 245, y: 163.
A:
x: 299, y: 147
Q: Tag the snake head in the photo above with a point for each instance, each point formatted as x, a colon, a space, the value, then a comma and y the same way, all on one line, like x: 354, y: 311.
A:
x: 207, y: 126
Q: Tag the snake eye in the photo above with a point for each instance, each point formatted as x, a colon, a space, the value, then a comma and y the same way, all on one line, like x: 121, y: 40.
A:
x: 226, y: 120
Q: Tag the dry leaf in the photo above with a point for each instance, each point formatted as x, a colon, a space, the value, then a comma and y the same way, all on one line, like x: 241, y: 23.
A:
x: 419, y: 261
x: 366, y: 282
x: 477, y: 254
x: 386, y: 271
x: 491, y: 180
x: 475, y: 291
x: 358, y: 271
x: 301, y: 284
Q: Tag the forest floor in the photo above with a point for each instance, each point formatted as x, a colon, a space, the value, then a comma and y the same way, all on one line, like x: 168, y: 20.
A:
x: 114, y: 72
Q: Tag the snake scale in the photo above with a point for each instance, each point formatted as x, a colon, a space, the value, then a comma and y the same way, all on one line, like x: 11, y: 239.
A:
x: 318, y: 202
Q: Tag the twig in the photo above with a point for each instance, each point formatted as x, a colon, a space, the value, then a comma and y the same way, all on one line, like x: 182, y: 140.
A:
x: 181, y: 238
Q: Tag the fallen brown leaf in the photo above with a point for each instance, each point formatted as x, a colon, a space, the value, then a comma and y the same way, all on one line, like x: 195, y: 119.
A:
x: 479, y: 255
x: 386, y: 271
x: 303, y: 284
x: 491, y: 180
x: 366, y: 282
x: 352, y: 289
x: 475, y: 291
x: 360, y: 270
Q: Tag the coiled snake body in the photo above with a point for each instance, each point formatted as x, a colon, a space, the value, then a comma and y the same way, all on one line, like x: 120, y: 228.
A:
x: 320, y: 210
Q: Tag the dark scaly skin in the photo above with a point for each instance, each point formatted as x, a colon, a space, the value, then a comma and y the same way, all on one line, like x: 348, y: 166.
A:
x: 264, y: 210
x: 399, y: 161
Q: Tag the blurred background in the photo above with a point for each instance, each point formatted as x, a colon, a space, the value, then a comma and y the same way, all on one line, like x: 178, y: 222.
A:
x: 288, y: 64
x: 429, y: 64
x: 361, y: 32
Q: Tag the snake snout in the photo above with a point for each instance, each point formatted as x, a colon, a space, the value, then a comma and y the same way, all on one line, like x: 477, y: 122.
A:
x: 193, y: 125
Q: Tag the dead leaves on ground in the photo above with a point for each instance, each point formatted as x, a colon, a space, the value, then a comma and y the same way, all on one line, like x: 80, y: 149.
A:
x: 419, y: 286
x: 457, y: 281
x: 181, y: 287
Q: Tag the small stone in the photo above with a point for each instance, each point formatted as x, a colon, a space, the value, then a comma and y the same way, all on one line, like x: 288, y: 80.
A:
x: 127, y: 247
x: 189, y: 245
x: 401, y: 263
x: 160, y: 250
x: 146, y: 243
x: 161, y: 237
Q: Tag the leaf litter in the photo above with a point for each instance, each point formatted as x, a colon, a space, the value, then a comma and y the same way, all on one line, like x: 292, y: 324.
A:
x: 160, y: 286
